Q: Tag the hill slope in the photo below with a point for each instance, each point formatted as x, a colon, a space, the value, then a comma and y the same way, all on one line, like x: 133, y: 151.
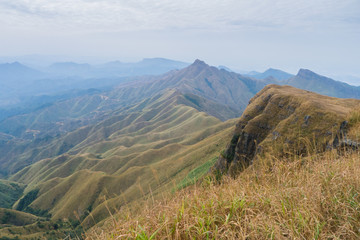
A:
x: 144, y: 149
x: 230, y: 90
x: 10, y: 192
x: 278, y: 199
x: 302, y: 179
x: 284, y: 120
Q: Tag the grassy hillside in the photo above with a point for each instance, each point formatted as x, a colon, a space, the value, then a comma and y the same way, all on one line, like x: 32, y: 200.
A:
x: 285, y: 120
x: 148, y: 148
x: 17, y: 218
x: 33, y: 136
x: 303, y: 198
x: 301, y: 184
x: 277, y: 197
x: 27, y: 226
x: 230, y: 90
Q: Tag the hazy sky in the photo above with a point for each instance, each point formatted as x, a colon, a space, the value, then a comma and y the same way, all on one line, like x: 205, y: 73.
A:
x: 322, y: 35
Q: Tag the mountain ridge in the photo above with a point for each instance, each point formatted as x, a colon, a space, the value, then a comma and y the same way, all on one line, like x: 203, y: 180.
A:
x: 119, y: 148
x: 308, y: 80
x: 284, y: 114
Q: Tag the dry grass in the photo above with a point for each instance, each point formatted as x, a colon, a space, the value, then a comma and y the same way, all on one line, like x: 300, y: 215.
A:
x: 172, y: 143
x: 307, y: 198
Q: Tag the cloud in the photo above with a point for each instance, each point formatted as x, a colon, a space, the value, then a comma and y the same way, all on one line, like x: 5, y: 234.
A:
x: 292, y: 33
x: 120, y: 15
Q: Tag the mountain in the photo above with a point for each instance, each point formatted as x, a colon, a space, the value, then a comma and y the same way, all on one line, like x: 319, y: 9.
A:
x: 148, y: 66
x: 221, y: 67
x: 216, y: 92
x: 308, y: 80
x: 301, y: 151
x: 156, y: 66
x: 349, y: 79
x: 229, y: 89
x: 251, y: 73
x: 148, y: 145
x: 20, y: 82
x: 281, y: 120
x: 271, y: 72
x: 16, y: 72
x: 81, y: 148
x: 206, y: 89
x: 86, y: 155
x: 14, y: 78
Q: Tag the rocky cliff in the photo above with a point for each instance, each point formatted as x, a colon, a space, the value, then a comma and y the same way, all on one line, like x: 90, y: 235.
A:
x: 286, y: 120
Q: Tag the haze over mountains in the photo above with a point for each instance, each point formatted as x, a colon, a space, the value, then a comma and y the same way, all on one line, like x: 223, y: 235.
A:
x: 19, y: 81
x: 126, y: 138
x: 271, y: 72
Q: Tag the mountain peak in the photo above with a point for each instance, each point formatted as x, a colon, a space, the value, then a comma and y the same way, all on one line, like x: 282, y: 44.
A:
x: 200, y: 63
x: 306, y: 73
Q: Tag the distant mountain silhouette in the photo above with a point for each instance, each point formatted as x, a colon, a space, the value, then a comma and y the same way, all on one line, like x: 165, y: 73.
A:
x: 19, y: 81
x: 308, y: 80
x: 221, y: 67
x: 17, y: 71
x: 148, y: 66
x: 271, y: 72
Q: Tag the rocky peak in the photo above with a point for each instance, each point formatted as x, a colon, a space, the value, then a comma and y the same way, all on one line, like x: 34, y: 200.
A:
x: 305, y: 73
x: 199, y: 63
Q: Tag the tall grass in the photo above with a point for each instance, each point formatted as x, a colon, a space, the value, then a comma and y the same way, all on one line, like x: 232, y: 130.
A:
x: 302, y: 198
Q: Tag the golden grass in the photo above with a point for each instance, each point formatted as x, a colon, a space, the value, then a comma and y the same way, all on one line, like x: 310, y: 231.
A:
x: 354, y: 123
x: 76, y: 183
x: 303, y: 198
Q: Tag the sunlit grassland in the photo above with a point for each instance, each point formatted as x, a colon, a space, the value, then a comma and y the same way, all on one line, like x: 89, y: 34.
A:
x: 300, y: 198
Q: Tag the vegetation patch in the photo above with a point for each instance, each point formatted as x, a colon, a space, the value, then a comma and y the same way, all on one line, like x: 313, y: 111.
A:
x: 10, y: 192
x: 27, y: 200
x: 354, y: 117
x: 197, y: 173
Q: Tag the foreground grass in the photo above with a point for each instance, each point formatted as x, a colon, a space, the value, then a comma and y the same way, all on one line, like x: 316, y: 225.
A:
x: 308, y: 198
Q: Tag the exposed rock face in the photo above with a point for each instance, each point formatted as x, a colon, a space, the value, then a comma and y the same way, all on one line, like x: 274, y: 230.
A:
x: 283, y: 119
x: 341, y: 139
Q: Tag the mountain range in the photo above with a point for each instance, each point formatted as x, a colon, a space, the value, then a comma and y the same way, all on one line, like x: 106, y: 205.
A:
x: 19, y: 82
x: 88, y: 153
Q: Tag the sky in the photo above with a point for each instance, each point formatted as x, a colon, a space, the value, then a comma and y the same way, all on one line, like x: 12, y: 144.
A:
x: 321, y: 35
